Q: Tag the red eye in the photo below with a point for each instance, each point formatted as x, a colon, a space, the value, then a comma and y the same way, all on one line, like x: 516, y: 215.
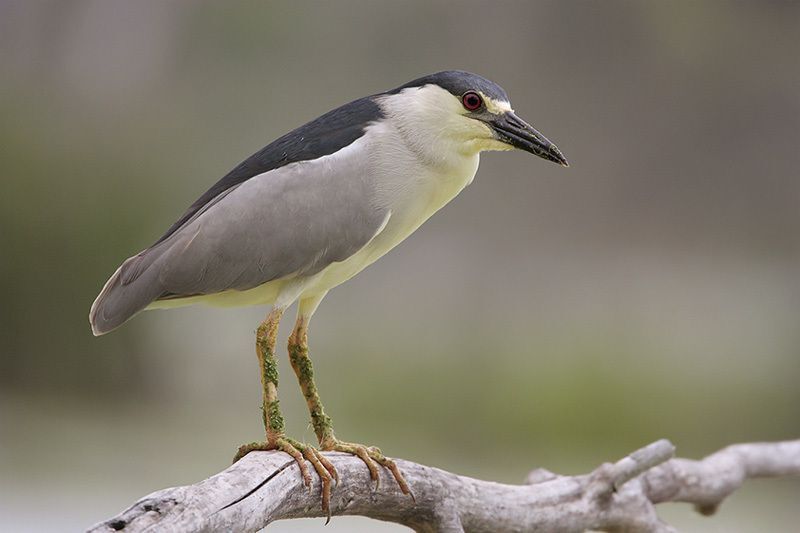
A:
x: 471, y: 100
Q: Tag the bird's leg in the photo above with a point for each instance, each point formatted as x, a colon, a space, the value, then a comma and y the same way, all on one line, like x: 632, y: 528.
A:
x: 273, y: 419
x: 298, y: 356
x: 323, y: 427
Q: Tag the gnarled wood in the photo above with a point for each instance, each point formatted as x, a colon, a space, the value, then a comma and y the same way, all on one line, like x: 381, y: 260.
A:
x: 266, y: 486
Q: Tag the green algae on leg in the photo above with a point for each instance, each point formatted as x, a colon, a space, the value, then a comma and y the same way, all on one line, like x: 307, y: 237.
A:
x: 301, y: 363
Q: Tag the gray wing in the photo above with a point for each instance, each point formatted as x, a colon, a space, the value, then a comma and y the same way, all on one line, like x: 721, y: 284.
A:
x: 293, y: 220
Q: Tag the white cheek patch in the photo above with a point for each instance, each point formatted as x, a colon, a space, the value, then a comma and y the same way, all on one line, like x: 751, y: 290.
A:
x: 496, y: 106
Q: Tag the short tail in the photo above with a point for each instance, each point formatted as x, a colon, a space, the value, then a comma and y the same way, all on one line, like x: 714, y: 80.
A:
x: 133, y: 287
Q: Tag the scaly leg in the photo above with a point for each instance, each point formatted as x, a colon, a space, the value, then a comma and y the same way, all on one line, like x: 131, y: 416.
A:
x: 273, y: 419
x: 323, y: 427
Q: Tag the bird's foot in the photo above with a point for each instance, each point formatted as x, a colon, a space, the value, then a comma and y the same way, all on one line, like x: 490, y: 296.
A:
x: 372, y: 457
x: 300, y: 453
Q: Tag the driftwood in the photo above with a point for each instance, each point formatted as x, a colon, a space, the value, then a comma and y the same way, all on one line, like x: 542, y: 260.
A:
x: 266, y: 486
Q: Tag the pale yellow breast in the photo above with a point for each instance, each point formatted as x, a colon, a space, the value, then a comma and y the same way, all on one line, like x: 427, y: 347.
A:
x: 431, y: 192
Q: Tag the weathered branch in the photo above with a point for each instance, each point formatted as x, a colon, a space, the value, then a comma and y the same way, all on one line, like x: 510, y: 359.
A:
x: 266, y: 486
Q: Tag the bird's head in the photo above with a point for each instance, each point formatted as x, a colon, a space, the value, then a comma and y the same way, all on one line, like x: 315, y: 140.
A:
x: 465, y: 113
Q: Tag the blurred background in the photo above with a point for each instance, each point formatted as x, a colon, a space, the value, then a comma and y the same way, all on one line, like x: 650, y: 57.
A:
x: 547, y: 317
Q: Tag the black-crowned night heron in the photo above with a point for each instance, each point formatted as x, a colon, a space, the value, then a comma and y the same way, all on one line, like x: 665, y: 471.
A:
x: 310, y: 211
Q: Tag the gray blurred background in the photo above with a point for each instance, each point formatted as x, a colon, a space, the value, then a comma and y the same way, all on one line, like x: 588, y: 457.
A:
x: 547, y: 317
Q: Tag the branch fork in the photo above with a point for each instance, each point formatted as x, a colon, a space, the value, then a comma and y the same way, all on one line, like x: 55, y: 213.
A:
x: 267, y: 486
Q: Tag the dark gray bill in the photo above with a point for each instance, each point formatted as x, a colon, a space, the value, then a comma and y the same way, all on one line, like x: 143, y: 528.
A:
x: 512, y: 130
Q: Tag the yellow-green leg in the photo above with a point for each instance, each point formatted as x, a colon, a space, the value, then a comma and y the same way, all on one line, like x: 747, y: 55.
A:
x: 321, y: 422
x: 273, y: 419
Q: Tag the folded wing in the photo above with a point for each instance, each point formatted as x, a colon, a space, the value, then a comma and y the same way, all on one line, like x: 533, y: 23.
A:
x: 291, y: 221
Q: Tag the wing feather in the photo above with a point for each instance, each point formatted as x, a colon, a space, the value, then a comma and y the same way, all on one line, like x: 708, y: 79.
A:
x: 295, y: 220
x: 293, y: 207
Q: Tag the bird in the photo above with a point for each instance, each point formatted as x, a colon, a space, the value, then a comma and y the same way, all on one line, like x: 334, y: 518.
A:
x: 308, y: 212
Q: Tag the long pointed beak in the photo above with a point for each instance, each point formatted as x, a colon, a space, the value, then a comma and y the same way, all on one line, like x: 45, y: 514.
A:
x: 512, y: 130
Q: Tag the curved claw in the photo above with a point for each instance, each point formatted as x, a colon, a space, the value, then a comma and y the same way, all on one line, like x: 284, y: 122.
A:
x: 290, y: 447
x: 363, y: 454
x: 372, y: 455
x: 398, y: 476
x: 315, y: 458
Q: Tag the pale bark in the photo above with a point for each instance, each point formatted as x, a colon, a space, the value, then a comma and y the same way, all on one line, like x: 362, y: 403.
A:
x: 266, y: 486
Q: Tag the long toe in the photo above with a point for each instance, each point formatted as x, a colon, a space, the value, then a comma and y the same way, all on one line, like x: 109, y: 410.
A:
x: 372, y: 457
x: 293, y: 448
x: 318, y: 461
x: 244, y: 449
x: 398, y: 476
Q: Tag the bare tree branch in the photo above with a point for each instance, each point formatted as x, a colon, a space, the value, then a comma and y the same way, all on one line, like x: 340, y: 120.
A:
x: 266, y: 486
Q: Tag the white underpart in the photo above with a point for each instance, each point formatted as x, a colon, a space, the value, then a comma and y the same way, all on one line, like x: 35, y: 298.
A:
x: 420, y: 157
